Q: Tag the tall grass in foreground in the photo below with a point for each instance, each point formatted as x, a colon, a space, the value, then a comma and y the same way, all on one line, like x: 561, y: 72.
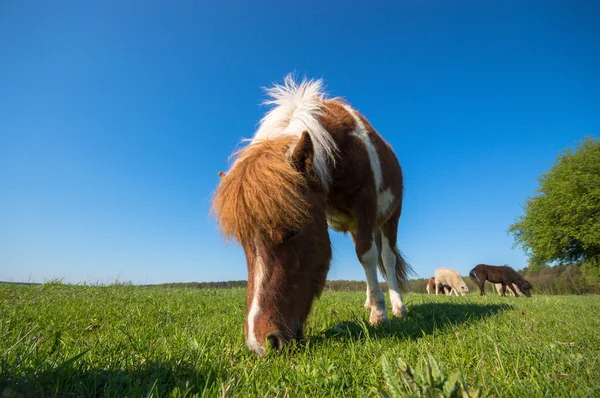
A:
x: 153, y: 341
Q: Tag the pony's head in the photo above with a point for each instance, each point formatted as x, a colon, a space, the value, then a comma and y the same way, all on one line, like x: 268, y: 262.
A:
x: 273, y: 205
x: 524, y: 286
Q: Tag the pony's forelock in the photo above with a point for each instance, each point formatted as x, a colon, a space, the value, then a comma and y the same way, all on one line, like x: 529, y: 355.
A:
x: 262, y: 194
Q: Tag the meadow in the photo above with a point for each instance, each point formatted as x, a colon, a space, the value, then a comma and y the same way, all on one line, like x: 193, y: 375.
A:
x: 115, y: 341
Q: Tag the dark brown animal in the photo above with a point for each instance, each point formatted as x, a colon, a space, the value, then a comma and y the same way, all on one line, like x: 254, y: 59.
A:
x: 500, y: 274
x: 313, y: 163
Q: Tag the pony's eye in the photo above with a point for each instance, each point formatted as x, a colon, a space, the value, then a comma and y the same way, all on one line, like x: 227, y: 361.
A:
x: 290, y: 234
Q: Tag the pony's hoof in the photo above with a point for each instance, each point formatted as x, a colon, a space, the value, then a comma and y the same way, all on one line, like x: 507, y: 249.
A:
x: 400, y: 312
x: 377, y: 318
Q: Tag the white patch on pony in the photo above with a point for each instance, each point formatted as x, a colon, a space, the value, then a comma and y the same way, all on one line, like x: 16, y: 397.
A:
x: 375, y: 296
x: 385, y: 199
x: 255, y: 306
x: 296, y: 108
x: 388, y: 256
x: 363, y: 135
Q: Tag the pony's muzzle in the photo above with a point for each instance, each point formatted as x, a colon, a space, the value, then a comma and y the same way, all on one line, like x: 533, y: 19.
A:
x: 275, y: 341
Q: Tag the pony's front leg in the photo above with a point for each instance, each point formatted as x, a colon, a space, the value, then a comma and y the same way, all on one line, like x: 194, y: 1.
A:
x: 368, y: 256
x: 512, y: 288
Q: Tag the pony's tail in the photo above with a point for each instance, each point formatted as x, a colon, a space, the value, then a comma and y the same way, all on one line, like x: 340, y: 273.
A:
x: 403, y: 268
x: 473, y: 276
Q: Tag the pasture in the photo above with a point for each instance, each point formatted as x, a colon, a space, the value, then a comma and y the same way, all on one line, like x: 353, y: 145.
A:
x: 154, y: 341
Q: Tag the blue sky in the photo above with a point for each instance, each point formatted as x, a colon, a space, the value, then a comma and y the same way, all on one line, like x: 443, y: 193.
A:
x: 116, y: 116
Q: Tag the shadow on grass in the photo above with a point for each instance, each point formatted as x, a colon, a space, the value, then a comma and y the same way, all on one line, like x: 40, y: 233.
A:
x: 149, y: 379
x: 422, y: 320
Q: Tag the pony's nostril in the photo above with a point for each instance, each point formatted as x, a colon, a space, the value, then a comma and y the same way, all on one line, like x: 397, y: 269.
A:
x: 275, y: 341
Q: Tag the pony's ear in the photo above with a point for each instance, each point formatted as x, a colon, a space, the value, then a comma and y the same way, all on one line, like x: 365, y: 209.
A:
x: 303, y: 153
x: 221, y: 174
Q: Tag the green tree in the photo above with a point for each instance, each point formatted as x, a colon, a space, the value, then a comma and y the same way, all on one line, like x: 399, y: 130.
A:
x: 561, y: 223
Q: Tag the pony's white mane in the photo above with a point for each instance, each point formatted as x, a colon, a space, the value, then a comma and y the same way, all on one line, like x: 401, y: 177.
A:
x: 296, y: 108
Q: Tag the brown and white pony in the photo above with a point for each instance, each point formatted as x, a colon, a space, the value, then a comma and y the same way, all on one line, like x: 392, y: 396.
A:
x: 502, y: 274
x: 443, y: 289
x: 314, y: 162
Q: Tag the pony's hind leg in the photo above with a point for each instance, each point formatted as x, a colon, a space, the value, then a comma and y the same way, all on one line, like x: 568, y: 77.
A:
x: 368, y: 255
x: 368, y: 299
x: 390, y: 258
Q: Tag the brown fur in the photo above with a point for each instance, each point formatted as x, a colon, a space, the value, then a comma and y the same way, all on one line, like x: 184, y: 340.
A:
x: 246, y: 207
x: 336, y: 118
x: 355, y: 172
x: 267, y: 193
x: 392, y: 179
x: 273, y: 204
x: 353, y: 179
x: 389, y: 164
x: 500, y: 274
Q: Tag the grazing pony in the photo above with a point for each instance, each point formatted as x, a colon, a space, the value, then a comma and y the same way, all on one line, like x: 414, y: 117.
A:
x: 443, y: 289
x: 502, y: 274
x: 451, y: 278
x: 498, y: 287
x: 314, y: 162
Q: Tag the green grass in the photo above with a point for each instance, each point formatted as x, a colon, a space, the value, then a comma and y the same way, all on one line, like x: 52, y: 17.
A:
x: 149, y: 341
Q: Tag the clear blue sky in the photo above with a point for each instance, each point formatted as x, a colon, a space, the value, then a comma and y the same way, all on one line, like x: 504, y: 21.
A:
x: 116, y: 116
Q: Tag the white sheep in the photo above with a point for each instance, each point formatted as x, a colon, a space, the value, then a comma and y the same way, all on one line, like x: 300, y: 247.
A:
x: 452, y: 278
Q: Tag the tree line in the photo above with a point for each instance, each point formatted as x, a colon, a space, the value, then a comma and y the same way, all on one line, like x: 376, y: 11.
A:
x: 565, y: 279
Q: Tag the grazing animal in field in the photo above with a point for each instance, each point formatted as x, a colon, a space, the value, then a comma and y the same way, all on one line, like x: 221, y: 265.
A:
x: 443, y: 289
x: 498, y: 287
x: 314, y: 162
x: 450, y: 277
x: 502, y: 274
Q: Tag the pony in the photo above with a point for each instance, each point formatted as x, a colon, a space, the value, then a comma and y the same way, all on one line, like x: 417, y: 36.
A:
x: 498, y: 287
x: 314, y: 162
x: 502, y: 274
x: 452, y: 279
x: 443, y: 289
